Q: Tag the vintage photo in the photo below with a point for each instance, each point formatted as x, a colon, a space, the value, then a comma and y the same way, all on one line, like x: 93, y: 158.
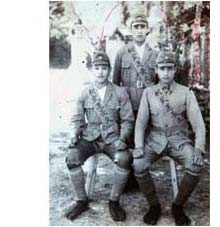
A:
x: 129, y: 139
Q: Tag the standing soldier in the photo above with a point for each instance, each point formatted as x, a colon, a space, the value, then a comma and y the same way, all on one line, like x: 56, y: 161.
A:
x: 135, y: 62
x: 167, y: 107
x: 110, y: 121
x: 134, y: 69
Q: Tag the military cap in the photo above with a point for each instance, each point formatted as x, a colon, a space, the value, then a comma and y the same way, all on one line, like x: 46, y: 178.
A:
x: 139, y: 18
x: 166, y: 57
x: 100, y: 58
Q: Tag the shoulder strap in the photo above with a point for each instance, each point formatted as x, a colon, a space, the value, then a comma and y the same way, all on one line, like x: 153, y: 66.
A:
x: 165, y: 103
x: 102, y: 113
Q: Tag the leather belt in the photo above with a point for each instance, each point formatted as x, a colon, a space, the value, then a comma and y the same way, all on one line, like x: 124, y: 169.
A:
x: 167, y: 130
x: 100, y: 125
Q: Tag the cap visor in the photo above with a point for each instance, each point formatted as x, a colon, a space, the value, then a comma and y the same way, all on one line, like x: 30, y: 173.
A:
x: 100, y: 63
x: 165, y: 64
x: 139, y: 22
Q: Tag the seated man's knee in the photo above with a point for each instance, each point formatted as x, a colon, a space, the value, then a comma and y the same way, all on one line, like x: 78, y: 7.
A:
x: 73, y: 159
x: 141, y: 167
x: 190, y: 167
x: 123, y: 159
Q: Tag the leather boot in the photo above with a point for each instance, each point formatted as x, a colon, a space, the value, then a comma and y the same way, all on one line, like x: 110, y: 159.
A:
x: 186, y: 188
x: 132, y: 184
x: 153, y: 215
x: 181, y: 219
x: 116, y: 211
x: 75, y: 210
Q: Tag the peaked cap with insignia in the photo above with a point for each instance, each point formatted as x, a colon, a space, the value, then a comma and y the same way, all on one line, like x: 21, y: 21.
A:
x: 166, y: 57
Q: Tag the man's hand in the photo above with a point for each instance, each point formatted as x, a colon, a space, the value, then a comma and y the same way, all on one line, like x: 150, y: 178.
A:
x: 138, y: 152
x: 119, y: 145
x: 73, y: 142
x: 198, y: 157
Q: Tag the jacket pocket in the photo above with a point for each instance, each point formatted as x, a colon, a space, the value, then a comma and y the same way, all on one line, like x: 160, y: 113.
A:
x: 125, y: 64
x: 113, y: 130
x: 114, y: 112
x: 88, y: 104
x: 91, y: 115
x: 180, y: 110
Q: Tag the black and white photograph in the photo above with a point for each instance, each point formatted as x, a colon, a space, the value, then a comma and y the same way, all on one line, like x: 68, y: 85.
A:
x: 129, y: 118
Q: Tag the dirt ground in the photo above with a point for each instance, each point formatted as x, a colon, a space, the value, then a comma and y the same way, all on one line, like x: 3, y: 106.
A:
x: 61, y: 194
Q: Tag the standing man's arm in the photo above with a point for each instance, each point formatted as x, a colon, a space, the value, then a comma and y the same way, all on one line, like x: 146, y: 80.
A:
x: 141, y: 124
x: 195, y: 118
x: 116, y: 79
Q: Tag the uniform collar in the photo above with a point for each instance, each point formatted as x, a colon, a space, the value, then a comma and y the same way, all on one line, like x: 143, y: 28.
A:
x: 170, y: 89
x: 145, y: 44
x: 108, y: 92
x: 107, y: 84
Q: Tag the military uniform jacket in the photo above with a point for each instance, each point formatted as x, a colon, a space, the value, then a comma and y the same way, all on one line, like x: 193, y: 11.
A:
x: 125, y: 73
x: 169, y: 127
x: 86, y: 121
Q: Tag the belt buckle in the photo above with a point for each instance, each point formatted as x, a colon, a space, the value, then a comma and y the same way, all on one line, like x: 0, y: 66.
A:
x: 103, y: 127
x: 139, y: 84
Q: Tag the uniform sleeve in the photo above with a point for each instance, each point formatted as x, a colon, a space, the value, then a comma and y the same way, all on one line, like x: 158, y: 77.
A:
x: 116, y: 78
x: 126, y: 116
x: 142, y: 121
x: 77, y: 121
x: 195, y: 118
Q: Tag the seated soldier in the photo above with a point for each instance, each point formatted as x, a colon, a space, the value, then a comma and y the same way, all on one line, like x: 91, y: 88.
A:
x: 167, y: 107
x: 110, y: 121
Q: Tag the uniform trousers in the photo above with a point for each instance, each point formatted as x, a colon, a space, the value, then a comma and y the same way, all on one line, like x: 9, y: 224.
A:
x: 83, y: 150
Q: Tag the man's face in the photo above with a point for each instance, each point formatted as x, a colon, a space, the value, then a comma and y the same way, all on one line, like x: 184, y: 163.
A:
x: 101, y: 73
x: 139, y: 31
x: 166, y: 72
